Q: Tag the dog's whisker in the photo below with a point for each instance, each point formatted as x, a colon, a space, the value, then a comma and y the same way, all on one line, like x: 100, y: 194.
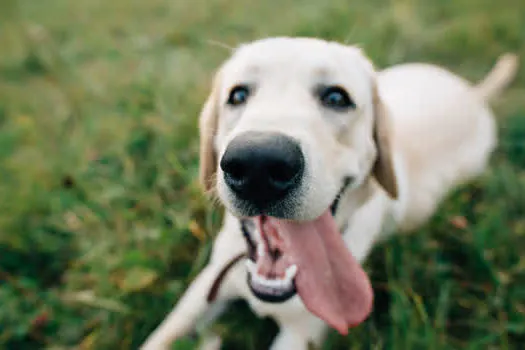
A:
x: 220, y: 44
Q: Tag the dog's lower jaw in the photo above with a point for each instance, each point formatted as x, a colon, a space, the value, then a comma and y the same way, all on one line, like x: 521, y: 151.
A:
x: 269, y: 297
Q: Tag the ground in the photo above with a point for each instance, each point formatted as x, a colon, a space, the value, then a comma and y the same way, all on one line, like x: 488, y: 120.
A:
x: 102, y: 225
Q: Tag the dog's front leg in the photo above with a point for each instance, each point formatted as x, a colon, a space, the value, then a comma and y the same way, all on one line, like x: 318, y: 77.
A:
x: 202, y: 297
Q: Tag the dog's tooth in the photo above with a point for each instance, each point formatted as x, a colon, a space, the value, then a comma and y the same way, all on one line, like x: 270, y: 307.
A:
x: 280, y: 284
x: 290, y: 273
x: 287, y: 284
x: 277, y: 284
x: 260, y: 250
x: 271, y: 285
x: 257, y: 236
x: 260, y: 243
x: 250, y: 265
x: 258, y: 278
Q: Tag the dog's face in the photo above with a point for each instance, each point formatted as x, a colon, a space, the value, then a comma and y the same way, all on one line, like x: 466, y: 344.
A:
x: 289, y: 125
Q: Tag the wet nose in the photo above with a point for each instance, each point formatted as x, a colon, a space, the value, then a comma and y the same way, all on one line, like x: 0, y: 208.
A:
x: 262, y: 167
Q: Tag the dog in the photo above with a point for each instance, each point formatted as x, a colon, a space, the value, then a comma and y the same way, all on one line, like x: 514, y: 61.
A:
x: 316, y: 156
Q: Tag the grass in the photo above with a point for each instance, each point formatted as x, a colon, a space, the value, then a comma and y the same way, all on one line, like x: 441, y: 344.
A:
x: 102, y: 225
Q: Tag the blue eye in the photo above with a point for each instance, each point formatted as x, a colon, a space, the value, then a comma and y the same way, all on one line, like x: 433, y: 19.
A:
x: 238, y: 95
x: 336, y: 98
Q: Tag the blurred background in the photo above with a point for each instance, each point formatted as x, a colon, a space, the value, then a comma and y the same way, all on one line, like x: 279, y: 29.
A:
x: 102, y: 225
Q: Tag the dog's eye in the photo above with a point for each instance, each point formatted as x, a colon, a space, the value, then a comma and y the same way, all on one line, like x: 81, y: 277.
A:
x: 336, y: 98
x: 238, y: 95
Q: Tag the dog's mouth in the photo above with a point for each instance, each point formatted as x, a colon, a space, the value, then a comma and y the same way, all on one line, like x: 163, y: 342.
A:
x: 270, y: 272
x: 308, y: 258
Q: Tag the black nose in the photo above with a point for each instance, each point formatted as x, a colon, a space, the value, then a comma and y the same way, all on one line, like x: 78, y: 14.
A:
x: 262, y: 167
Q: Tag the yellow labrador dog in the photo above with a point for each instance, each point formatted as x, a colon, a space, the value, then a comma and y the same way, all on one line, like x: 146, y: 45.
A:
x: 316, y: 156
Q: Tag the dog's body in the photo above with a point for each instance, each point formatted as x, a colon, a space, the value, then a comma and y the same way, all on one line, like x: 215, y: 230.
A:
x: 405, y: 138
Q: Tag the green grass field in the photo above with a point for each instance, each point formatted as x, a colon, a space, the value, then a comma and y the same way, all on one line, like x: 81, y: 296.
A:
x: 102, y: 225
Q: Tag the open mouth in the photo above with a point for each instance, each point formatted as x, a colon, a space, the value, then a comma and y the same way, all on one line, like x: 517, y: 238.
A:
x: 310, y: 259
x: 270, y: 272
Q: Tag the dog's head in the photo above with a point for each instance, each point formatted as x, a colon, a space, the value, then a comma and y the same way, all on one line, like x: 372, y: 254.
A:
x: 288, y: 124
x: 291, y: 124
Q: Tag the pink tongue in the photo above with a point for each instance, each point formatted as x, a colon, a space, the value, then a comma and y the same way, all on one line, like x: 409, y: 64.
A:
x: 329, y: 280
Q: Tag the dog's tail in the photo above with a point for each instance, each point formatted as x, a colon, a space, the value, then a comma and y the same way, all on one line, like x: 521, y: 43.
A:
x: 499, y: 77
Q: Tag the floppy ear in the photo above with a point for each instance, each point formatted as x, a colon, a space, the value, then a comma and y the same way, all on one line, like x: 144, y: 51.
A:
x: 383, y: 168
x: 208, y: 121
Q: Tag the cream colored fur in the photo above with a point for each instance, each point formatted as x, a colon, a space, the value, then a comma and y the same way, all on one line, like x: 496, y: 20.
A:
x: 418, y: 132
